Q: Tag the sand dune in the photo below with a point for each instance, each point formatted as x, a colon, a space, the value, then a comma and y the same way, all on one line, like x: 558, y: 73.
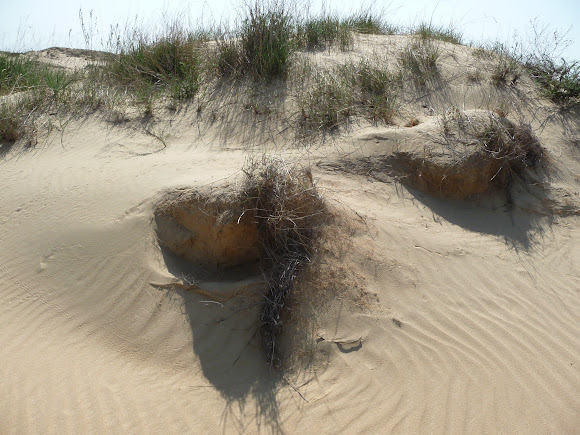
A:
x: 451, y: 316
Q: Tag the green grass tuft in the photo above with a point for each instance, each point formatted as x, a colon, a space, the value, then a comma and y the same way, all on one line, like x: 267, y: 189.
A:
x: 17, y: 73
x: 445, y: 34
x: 266, y: 39
x: 364, y: 89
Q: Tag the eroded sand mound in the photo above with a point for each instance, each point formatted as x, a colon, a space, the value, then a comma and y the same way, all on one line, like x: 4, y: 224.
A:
x: 459, y: 156
x: 478, y: 152
x: 211, y: 231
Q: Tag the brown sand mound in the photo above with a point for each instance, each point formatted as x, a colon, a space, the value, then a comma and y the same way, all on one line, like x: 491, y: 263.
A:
x: 480, y: 152
x: 461, y: 155
x: 271, y: 221
x: 211, y: 231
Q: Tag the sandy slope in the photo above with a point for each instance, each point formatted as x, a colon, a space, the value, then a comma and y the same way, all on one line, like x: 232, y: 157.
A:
x: 461, y: 316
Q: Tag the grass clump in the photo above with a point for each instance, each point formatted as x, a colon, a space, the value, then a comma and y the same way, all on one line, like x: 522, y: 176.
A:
x: 507, y: 69
x: 17, y: 73
x: 419, y: 60
x: 12, y: 125
x: 326, y: 104
x: 446, y: 34
x: 32, y: 90
x: 515, y: 147
x: 171, y: 62
x: 266, y: 39
x: 369, y: 22
x: 375, y: 89
x: 365, y: 88
x: 321, y: 32
x: 289, y: 212
x: 262, y: 45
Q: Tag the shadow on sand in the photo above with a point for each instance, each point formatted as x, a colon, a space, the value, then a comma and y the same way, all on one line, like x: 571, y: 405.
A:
x: 520, y: 229
x: 226, y: 341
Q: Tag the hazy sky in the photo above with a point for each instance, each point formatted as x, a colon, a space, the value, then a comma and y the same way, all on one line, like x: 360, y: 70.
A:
x: 37, y: 24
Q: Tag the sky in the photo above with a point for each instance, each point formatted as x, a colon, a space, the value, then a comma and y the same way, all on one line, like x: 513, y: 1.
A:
x: 37, y: 24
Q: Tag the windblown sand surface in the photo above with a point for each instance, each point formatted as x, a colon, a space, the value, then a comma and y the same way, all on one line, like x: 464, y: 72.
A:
x: 442, y: 315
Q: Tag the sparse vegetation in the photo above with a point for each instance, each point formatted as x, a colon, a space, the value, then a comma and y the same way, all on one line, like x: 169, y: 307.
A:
x: 560, y: 82
x: 367, y: 21
x: 419, y: 61
x: 17, y: 73
x: 558, y: 78
x: 474, y: 76
x: 321, y: 32
x: 366, y: 88
x: 507, y: 69
x: 11, y: 124
x: 154, y: 71
x: 428, y: 31
x: 482, y: 53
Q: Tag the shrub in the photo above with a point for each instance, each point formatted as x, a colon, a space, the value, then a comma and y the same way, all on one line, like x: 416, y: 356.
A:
x: 559, y: 82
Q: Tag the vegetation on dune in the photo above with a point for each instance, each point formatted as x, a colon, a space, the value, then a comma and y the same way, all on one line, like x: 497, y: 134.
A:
x: 428, y: 31
x: 365, y: 88
x: 176, y: 66
x: 419, y: 61
x: 560, y: 82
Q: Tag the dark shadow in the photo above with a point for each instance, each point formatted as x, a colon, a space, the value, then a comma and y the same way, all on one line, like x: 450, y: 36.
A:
x: 5, y: 147
x: 225, y: 339
x: 492, y: 215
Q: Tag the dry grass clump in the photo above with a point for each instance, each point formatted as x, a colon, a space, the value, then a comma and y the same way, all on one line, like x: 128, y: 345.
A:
x: 507, y: 70
x: 515, y: 147
x: 11, y: 124
x: 481, y: 153
x: 501, y: 151
x: 289, y: 212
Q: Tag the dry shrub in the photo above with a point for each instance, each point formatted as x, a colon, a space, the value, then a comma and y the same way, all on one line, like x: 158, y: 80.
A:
x: 514, y: 146
x: 289, y: 212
